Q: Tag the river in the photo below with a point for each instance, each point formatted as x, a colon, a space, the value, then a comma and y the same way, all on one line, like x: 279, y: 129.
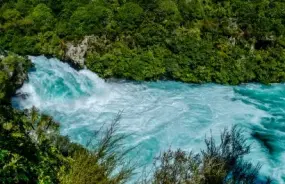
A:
x: 159, y: 115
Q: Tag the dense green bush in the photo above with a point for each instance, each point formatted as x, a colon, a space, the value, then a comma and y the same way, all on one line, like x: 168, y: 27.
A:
x: 13, y: 72
x: 27, y: 154
x: 217, y: 164
x: 104, y: 164
x: 33, y: 151
x: 227, y: 42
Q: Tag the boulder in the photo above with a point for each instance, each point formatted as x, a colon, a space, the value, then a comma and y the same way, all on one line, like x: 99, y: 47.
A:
x: 75, y: 53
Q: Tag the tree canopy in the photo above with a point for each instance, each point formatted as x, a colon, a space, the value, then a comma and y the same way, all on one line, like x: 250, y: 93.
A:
x: 228, y: 42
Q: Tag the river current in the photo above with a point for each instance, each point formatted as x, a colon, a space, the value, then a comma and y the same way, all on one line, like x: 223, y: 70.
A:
x: 159, y: 115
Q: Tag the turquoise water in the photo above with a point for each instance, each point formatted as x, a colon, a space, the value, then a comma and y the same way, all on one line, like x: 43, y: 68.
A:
x: 159, y: 115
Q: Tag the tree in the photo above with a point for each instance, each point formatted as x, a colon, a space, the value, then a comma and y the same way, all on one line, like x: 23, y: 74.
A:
x: 42, y: 18
x: 129, y: 15
x: 90, y: 19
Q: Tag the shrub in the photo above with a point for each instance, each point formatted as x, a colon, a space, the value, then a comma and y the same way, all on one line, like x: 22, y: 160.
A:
x: 104, y: 163
x: 218, y: 163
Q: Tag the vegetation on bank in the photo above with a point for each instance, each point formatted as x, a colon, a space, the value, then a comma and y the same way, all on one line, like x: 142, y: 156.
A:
x: 225, y: 41
x: 33, y: 151
x: 13, y: 72
x: 217, y: 164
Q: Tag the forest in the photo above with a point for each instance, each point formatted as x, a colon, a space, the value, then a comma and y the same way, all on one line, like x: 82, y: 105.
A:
x: 197, y: 41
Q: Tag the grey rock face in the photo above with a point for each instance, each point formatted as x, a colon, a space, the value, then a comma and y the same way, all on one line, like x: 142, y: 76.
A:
x: 76, y: 53
x: 21, y: 75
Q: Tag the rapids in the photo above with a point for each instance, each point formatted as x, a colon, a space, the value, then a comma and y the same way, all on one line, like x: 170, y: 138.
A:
x: 159, y: 115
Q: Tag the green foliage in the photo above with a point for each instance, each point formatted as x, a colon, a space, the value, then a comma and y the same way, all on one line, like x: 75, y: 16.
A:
x: 29, y: 155
x: 105, y: 164
x: 42, y: 18
x: 228, y: 42
x: 11, y: 15
x: 129, y: 16
x: 90, y: 19
x: 13, y: 72
x: 33, y: 151
x: 136, y: 64
x: 218, y: 163
x: 49, y: 43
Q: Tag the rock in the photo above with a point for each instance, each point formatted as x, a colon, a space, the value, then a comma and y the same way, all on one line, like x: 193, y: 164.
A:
x: 76, y: 53
x: 22, y: 75
x: 22, y: 95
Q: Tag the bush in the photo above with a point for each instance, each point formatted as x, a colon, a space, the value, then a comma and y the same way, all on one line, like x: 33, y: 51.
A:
x: 104, y: 163
x: 33, y: 151
x: 13, y: 73
x: 218, y: 163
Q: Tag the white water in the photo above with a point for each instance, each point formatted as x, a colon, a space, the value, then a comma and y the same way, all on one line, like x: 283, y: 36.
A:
x: 160, y: 114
